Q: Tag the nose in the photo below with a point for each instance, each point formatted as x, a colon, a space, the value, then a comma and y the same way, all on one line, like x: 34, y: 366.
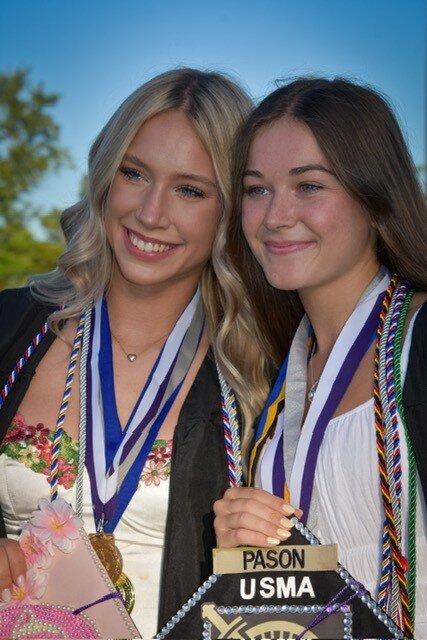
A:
x: 152, y: 209
x: 281, y: 211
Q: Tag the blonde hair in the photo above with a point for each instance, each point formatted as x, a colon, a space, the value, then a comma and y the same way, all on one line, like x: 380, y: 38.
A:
x: 215, y: 106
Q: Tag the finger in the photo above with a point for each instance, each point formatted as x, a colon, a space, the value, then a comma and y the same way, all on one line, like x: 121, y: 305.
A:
x: 239, y: 537
x: 245, y: 520
x: 253, y: 493
x: 260, y: 510
x: 12, y: 564
x: 259, y: 495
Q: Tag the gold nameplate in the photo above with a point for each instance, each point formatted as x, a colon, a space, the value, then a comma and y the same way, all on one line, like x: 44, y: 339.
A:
x: 287, y: 558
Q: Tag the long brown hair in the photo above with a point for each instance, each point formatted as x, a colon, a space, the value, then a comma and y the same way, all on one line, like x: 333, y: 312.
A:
x: 356, y: 130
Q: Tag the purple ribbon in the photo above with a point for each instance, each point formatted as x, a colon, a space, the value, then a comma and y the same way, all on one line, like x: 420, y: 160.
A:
x: 108, y: 596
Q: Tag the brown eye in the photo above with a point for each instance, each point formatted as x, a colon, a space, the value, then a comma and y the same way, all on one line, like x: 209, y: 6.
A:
x: 255, y: 190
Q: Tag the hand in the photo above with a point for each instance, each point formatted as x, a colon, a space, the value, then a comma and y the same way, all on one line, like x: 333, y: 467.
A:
x: 249, y: 516
x: 12, y: 567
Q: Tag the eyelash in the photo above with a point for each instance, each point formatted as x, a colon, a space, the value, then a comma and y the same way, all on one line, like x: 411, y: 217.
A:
x: 186, y: 190
x: 131, y: 174
x: 308, y: 187
x: 255, y: 190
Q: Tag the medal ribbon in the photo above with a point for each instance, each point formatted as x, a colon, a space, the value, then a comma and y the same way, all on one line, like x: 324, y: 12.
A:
x: 301, y: 484
x: 295, y: 454
x: 115, y: 457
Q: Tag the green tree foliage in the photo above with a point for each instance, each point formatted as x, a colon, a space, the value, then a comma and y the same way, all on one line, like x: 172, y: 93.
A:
x: 29, y: 149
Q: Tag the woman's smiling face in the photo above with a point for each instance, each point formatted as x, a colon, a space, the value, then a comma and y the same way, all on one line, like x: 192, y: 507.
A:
x: 302, y: 225
x: 163, y: 209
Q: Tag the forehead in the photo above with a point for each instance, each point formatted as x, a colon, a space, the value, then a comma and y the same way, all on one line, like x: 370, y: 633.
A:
x: 287, y: 141
x: 170, y: 138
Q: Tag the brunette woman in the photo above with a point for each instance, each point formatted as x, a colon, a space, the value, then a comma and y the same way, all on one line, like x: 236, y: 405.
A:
x: 329, y: 238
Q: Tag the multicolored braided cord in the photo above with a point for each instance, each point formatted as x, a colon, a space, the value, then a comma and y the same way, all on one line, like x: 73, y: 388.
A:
x: 231, y: 432
x: 393, y: 589
x: 12, y: 377
x: 411, y: 460
x: 56, y: 445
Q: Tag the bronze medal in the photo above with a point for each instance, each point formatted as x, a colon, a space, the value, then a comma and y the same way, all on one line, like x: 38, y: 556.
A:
x: 108, y: 553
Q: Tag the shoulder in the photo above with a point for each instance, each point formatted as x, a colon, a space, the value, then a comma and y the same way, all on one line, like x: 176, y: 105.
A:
x: 14, y: 304
x: 15, y: 299
x: 19, y: 311
x: 415, y: 388
x: 418, y: 307
x: 204, y: 397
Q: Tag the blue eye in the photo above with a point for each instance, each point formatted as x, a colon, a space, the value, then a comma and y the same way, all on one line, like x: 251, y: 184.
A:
x: 308, y: 187
x: 189, y: 191
x: 131, y: 174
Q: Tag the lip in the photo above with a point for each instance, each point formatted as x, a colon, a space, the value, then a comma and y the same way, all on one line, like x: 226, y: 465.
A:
x: 151, y: 256
x: 277, y: 247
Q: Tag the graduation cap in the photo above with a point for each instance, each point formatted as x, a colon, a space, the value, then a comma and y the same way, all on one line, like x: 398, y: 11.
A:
x: 297, y: 591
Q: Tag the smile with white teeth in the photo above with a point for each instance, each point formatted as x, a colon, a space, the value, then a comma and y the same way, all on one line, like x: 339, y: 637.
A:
x: 148, y: 247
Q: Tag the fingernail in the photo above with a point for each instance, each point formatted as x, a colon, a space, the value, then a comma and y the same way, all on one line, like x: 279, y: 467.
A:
x: 288, y: 509
x: 287, y: 524
x: 6, y: 595
x: 283, y: 534
x: 273, y: 541
x: 298, y: 513
x: 20, y: 581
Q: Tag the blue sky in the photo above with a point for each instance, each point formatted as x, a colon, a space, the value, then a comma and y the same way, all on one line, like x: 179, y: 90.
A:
x: 95, y: 53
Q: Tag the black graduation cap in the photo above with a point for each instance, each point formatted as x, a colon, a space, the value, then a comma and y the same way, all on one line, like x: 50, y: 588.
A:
x: 296, y: 590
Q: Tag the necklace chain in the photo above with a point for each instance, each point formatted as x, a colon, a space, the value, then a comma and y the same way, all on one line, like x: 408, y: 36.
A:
x: 313, y: 388
x: 129, y: 355
x: 132, y: 356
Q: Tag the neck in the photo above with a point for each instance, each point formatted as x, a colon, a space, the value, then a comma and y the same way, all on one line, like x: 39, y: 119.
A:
x: 140, y: 316
x: 330, y: 305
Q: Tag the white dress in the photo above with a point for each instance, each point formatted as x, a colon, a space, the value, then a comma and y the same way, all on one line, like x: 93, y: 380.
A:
x: 139, y: 534
x: 346, y: 506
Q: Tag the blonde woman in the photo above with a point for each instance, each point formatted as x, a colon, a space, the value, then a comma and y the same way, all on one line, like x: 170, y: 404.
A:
x: 136, y: 279
x: 329, y: 237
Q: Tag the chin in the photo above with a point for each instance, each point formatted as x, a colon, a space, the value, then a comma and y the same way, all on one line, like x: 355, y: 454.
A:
x: 286, y: 282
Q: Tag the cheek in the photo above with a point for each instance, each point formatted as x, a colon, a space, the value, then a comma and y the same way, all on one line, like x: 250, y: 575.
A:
x: 203, y: 228
x: 250, y: 224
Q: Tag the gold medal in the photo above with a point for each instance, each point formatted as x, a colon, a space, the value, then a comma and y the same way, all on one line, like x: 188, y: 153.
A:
x: 108, y: 553
x: 111, y: 558
x: 125, y: 587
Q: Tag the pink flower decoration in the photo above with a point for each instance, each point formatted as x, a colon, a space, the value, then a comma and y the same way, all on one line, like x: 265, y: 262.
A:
x: 18, y: 420
x: 33, y: 588
x: 154, y: 473
x: 36, y: 553
x: 55, y: 522
x: 45, y: 452
x: 66, y: 474
x: 18, y: 430
x: 159, y: 455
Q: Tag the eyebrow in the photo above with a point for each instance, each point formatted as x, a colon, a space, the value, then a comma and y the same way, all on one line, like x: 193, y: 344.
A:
x: 310, y: 167
x: 295, y: 171
x: 182, y: 176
